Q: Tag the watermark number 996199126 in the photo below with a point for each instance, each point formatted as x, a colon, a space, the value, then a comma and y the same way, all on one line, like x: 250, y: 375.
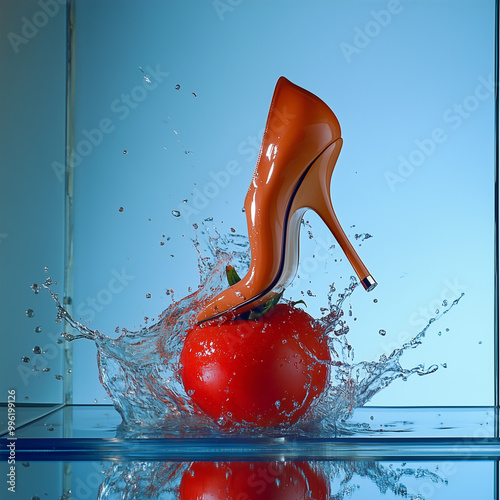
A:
x: 11, y: 440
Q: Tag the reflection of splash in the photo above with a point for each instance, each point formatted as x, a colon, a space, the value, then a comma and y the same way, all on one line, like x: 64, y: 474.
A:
x: 388, y: 478
x: 134, y: 480
x: 331, y: 480
x: 139, y: 370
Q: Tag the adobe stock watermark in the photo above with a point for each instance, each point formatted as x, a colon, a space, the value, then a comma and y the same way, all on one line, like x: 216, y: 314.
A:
x: 453, y: 118
x: 86, y: 488
x: 87, y: 311
x: 451, y: 291
x: 201, y: 198
x: 461, y: 451
x: 322, y: 252
x: 119, y: 280
x: 431, y: 485
x: 29, y: 28
x: 222, y: 7
x: 120, y: 109
x: 220, y: 180
x: 364, y: 36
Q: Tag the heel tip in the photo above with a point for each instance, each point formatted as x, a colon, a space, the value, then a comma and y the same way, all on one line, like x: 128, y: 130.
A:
x: 368, y: 283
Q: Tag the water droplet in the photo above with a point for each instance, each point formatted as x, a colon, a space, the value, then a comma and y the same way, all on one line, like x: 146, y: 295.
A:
x: 375, y: 300
x: 45, y: 370
x: 194, y: 93
x: 187, y: 152
x: 69, y: 370
x: 444, y: 365
x: 35, y: 288
x: 25, y: 464
x: 120, y: 209
x: 148, y: 295
x: 46, y: 269
x: 195, y: 225
x: 162, y: 243
x: 36, y: 497
x: 125, y: 151
x: 277, y: 404
x: 25, y: 359
x: 177, y: 87
x: 372, y: 417
x: 480, y: 342
x: 95, y: 400
x: 445, y: 303
x: 209, y: 219
x: 190, y: 392
x: 30, y: 313
x: 176, y: 213
x: 382, y: 332
x: 147, y: 79
x: 38, y: 329
x: 447, y: 329
x: 37, y: 349
x: 436, y: 311
x: 284, y: 341
x: 50, y: 429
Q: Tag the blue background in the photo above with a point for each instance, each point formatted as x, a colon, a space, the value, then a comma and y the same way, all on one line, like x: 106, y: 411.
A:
x: 396, y: 73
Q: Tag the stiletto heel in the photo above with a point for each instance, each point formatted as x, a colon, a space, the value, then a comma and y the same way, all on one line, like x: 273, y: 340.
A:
x: 300, y: 147
x: 314, y: 193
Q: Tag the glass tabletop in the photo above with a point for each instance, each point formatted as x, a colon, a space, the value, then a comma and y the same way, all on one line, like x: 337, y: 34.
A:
x: 380, y: 452
x: 84, y: 432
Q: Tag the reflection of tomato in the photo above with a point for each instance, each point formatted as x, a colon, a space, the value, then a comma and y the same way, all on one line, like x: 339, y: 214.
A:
x: 249, y: 481
x: 262, y: 372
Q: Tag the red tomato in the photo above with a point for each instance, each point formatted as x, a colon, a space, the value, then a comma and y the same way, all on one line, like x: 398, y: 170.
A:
x: 249, y: 481
x: 263, y: 372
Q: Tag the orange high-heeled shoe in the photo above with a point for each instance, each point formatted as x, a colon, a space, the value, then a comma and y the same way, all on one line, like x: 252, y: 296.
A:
x: 299, y: 150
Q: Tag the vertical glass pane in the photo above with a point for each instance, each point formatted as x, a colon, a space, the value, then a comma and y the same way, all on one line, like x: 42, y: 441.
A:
x: 32, y: 144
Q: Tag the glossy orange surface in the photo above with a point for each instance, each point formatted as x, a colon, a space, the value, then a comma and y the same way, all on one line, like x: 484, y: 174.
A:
x: 300, y: 146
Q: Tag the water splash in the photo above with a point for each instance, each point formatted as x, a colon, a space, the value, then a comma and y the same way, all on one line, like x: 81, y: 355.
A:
x: 337, y: 480
x: 140, y: 369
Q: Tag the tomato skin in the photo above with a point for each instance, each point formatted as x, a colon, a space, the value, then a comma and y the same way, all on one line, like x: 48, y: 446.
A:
x: 253, y: 480
x: 263, y: 372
